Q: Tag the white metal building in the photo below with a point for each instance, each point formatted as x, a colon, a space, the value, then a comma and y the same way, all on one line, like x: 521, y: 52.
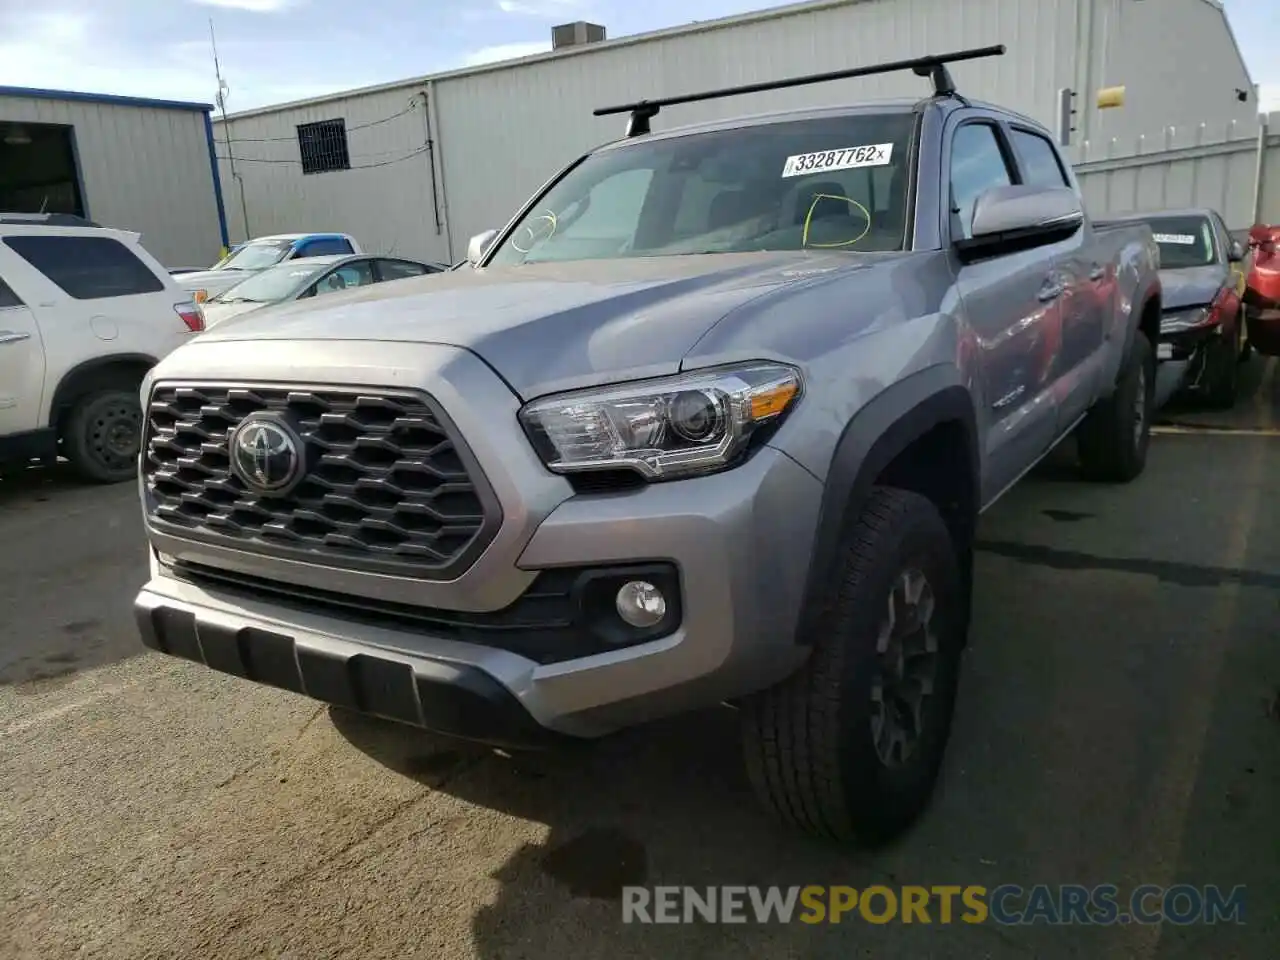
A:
x: 140, y: 165
x: 419, y: 166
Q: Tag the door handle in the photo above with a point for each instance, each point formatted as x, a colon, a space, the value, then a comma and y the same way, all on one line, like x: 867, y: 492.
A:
x: 1052, y: 290
x: 1096, y: 273
x: 8, y: 336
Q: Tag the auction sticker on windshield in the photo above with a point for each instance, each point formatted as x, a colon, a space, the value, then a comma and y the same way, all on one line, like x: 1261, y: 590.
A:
x: 1181, y: 239
x: 846, y: 158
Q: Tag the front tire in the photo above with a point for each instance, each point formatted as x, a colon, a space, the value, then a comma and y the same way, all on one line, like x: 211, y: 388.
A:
x: 1114, y: 437
x: 103, y: 435
x: 849, y: 747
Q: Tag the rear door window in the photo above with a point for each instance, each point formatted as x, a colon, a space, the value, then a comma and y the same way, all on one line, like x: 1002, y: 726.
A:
x: 399, y: 269
x: 324, y: 247
x: 1040, y: 166
x: 87, y: 268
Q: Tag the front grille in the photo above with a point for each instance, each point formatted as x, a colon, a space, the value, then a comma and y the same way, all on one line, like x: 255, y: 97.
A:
x: 387, y: 486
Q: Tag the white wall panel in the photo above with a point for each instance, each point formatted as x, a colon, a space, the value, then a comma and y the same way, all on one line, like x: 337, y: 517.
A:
x: 1186, y: 173
x: 143, y: 168
x: 505, y: 131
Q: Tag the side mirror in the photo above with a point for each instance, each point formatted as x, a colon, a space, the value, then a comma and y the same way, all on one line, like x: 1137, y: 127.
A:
x: 1235, y: 253
x: 479, y: 244
x: 1007, y: 219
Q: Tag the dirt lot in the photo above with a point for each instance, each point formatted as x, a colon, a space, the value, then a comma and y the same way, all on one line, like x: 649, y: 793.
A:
x: 1118, y: 723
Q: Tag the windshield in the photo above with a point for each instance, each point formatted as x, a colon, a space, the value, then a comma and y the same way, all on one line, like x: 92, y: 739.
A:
x: 257, y: 255
x: 836, y: 183
x: 1184, y: 241
x: 273, y: 285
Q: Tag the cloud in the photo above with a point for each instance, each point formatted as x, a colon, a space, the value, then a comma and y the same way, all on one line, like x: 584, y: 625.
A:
x: 74, y: 51
x: 548, y: 9
x: 253, y: 6
x: 506, y: 51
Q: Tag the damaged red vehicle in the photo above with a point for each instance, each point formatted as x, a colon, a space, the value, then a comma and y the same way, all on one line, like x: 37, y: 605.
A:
x: 1262, y: 290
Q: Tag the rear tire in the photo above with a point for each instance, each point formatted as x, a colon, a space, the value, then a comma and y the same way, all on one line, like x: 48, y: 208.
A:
x: 1222, y: 371
x: 1114, y: 436
x: 103, y: 435
x: 849, y: 747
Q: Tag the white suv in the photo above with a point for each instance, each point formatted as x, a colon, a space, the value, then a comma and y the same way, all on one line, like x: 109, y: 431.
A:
x: 85, y: 312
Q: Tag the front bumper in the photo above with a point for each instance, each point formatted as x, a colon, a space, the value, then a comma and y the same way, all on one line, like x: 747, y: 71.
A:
x: 1180, y: 342
x: 738, y: 543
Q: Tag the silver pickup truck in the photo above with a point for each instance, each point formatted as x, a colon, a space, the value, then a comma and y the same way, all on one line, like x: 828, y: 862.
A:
x: 710, y: 421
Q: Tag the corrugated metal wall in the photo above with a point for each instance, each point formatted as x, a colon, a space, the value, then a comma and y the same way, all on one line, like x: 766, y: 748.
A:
x: 1191, y: 168
x: 504, y: 132
x: 384, y: 200
x: 1179, y: 66
x: 501, y: 132
x: 143, y: 168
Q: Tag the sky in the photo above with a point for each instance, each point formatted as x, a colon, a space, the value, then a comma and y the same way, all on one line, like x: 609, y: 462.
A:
x: 274, y: 51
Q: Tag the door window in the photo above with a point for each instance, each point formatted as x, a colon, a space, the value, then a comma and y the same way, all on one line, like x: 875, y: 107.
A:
x: 398, y: 269
x: 87, y: 268
x: 7, y: 297
x: 977, y: 165
x: 1040, y: 166
x: 348, y: 275
x: 324, y: 247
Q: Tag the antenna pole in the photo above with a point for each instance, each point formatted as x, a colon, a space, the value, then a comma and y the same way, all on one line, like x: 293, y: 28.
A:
x: 226, y: 128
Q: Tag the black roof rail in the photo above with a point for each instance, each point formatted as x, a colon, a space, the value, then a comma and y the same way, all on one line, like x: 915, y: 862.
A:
x: 47, y: 219
x: 934, y: 67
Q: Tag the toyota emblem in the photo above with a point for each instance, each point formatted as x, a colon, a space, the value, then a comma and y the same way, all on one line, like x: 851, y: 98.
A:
x: 266, y: 455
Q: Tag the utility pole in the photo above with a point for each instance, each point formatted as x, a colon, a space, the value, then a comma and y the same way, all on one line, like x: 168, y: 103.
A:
x: 223, y: 90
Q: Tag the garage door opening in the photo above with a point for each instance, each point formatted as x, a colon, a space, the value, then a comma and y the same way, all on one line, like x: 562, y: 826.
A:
x: 38, y: 171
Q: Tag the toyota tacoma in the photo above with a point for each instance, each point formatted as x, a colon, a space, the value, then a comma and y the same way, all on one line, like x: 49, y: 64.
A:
x: 710, y: 421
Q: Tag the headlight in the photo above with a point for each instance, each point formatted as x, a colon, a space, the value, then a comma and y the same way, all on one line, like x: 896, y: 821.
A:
x: 1174, y: 321
x: 663, y: 429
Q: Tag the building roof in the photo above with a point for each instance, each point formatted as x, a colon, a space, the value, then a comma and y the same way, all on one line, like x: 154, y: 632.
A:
x: 697, y: 26
x: 76, y: 96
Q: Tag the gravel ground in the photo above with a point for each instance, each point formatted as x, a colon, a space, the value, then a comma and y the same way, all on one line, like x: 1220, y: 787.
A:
x: 1118, y: 723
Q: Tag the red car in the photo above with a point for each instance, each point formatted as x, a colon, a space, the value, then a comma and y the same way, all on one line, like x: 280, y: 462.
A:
x: 1262, y: 290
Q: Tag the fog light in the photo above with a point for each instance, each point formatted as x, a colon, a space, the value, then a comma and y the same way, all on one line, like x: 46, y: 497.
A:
x: 640, y: 603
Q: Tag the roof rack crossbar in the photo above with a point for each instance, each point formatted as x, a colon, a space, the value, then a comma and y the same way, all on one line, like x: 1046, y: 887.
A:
x: 934, y: 67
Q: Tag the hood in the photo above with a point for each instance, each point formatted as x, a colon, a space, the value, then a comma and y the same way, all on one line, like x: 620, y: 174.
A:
x: 1191, y: 286
x: 215, y: 281
x: 555, y: 326
x: 215, y: 313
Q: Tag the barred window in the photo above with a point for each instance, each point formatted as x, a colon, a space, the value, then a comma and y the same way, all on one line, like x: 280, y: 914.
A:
x: 323, y: 146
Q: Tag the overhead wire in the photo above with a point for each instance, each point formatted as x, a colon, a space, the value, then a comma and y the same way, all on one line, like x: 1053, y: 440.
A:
x: 382, y: 159
x: 413, y: 105
x: 354, y: 166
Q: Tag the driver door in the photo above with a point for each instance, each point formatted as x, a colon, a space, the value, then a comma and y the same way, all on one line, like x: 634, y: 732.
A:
x: 1011, y: 304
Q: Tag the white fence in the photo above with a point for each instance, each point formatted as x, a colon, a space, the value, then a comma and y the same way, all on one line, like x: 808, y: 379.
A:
x: 1235, y: 172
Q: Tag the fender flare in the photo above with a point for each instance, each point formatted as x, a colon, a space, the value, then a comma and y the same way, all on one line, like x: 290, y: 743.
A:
x: 870, y: 441
x: 81, y: 370
x: 1152, y: 291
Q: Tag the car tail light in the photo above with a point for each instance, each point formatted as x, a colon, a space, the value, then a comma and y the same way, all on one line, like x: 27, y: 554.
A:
x: 190, y: 315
